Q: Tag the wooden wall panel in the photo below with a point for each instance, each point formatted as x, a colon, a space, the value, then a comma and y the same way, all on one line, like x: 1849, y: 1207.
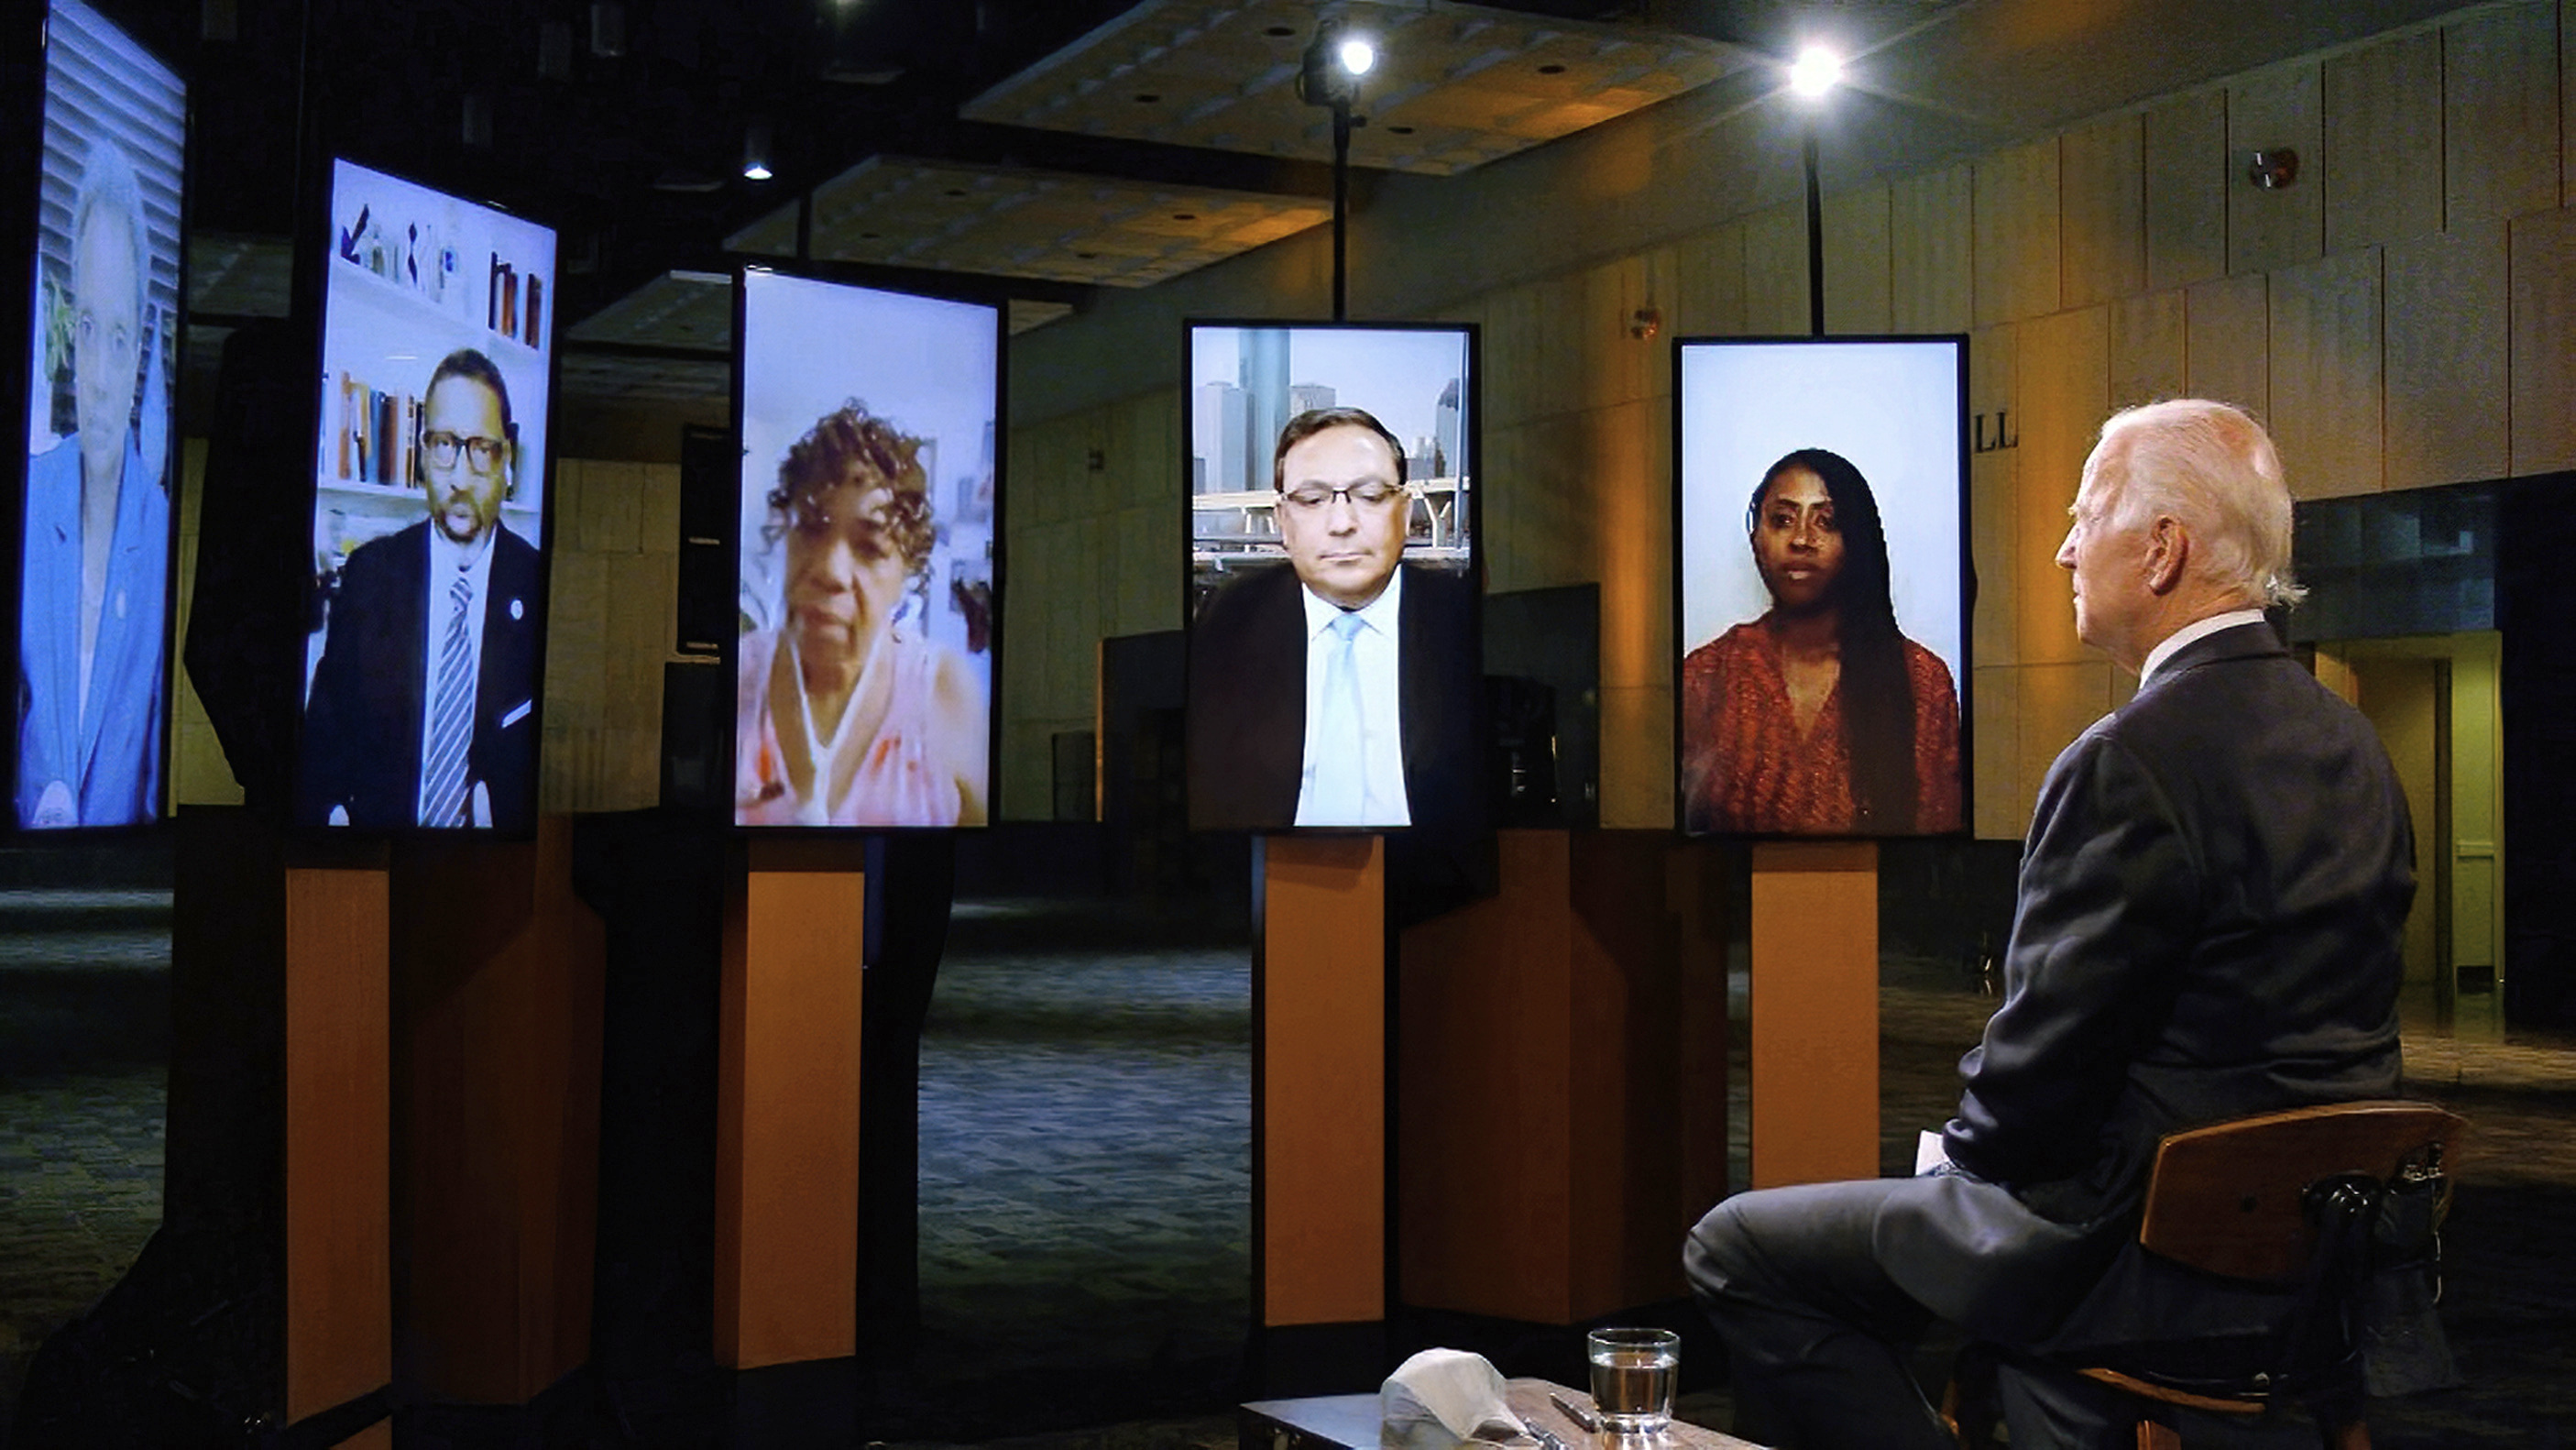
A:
x: 2103, y: 233
x: 1931, y: 226
x: 1637, y: 772
x: 2186, y: 184
x: 1620, y: 367
x: 2544, y: 342
x: 1857, y: 262
x: 2016, y: 231
x: 2566, y: 101
x: 2147, y: 349
x: 2268, y: 229
x: 1994, y: 404
x: 2446, y: 345
x: 2500, y: 112
x: 2065, y: 371
x: 2325, y: 374
x: 1775, y: 271
x: 2226, y: 342
x: 2000, y: 810
x: 2057, y: 703
x: 1708, y: 284
x: 1513, y: 386
x: 2382, y: 167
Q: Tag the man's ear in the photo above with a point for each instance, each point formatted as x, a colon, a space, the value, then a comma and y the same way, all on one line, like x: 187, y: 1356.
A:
x: 2168, y: 554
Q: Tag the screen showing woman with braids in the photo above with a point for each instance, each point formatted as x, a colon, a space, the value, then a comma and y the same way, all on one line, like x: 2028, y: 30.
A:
x: 848, y: 713
x: 1820, y: 717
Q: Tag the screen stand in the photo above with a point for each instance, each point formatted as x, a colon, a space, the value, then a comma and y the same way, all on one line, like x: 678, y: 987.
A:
x: 339, y: 1263
x: 787, y: 1108
x: 1813, y: 1085
x: 1319, y: 1094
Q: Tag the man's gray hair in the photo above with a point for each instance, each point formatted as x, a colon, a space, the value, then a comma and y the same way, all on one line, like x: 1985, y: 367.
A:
x: 2211, y: 466
x: 108, y: 185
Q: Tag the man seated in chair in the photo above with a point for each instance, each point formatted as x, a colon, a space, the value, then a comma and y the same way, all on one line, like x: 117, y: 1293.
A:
x: 2207, y: 925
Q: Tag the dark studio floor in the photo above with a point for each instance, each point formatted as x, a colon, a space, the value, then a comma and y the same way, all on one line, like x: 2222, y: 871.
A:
x: 1084, y: 1164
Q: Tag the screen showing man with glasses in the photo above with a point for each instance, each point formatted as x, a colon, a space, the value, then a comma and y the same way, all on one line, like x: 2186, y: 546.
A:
x: 1337, y: 689
x: 422, y: 708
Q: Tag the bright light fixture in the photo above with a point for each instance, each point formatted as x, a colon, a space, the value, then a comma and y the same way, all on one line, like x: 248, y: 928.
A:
x: 1815, y: 72
x: 1358, y: 55
x: 756, y: 171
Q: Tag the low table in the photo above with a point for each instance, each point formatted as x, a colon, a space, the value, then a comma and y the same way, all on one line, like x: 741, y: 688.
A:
x: 1350, y: 1422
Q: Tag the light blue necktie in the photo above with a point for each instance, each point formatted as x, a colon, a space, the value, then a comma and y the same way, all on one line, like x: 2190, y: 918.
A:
x: 452, y: 722
x: 1341, y: 775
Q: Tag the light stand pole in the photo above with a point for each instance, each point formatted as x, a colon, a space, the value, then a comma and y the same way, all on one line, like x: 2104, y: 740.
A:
x: 1341, y: 206
x: 1815, y: 236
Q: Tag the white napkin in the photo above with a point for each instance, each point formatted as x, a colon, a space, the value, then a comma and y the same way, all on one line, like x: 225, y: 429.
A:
x: 1442, y: 1399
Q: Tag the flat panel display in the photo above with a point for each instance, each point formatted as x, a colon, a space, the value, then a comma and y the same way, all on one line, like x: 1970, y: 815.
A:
x: 90, y: 705
x: 1821, y: 564
x: 424, y: 668
x: 869, y: 528
x: 1334, y: 637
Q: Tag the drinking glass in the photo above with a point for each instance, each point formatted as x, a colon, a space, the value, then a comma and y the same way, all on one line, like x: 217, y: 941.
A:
x: 1632, y: 1378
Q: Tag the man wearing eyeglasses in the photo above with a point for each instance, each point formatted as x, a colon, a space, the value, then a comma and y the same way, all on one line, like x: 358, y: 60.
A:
x: 423, y: 707
x: 1337, y: 689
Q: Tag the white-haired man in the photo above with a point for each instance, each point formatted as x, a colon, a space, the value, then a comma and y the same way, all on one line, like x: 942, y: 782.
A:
x: 2207, y: 925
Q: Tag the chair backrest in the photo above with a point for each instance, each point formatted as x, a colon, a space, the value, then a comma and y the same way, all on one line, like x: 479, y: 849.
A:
x: 2227, y: 1198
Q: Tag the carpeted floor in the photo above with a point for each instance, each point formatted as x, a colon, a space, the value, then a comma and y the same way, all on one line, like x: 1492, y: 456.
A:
x: 1084, y: 1161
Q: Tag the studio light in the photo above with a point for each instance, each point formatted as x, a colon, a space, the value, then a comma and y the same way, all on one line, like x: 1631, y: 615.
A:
x: 755, y: 152
x: 1815, y: 71
x: 1358, y: 54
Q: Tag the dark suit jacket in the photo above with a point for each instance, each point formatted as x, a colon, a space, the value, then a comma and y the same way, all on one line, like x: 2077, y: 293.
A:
x: 1247, y: 702
x: 362, y: 721
x: 2208, y: 924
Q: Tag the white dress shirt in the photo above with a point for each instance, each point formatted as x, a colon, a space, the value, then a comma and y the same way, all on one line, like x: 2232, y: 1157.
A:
x: 1381, y: 750
x: 2197, y: 629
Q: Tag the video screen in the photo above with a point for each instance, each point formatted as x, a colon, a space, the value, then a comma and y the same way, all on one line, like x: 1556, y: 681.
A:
x: 1334, y: 675
x: 425, y: 666
x: 864, y: 661
x: 94, y: 560
x: 1822, y: 578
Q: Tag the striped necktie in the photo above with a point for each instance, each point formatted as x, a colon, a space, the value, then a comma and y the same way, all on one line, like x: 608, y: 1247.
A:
x: 452, y: 724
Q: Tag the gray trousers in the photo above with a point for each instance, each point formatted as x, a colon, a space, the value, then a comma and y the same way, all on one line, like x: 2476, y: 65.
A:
x: 1818, y: 1328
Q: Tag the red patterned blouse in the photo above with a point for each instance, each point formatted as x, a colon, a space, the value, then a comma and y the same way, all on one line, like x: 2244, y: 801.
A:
x: 1746, y: 768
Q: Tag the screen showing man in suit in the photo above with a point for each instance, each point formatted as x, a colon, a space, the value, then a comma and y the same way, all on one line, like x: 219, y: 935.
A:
x: 423, y: 666
x: 1338, y: 688
x: 93, y: 617
x: 422, y: 708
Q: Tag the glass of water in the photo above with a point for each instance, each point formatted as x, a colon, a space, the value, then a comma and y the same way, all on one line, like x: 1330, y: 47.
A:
x: 1632, y: 1378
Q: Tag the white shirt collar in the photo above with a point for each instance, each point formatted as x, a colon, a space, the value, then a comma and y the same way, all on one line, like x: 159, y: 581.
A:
x: 1379, y: 614
x: 2198, y: 629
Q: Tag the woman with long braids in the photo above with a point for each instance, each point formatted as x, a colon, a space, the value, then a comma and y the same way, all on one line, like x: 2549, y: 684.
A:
x: 1820, y: 717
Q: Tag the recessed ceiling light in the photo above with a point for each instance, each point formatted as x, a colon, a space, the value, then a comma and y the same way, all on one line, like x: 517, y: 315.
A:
x: 1147, y: 98
x: 1551, y: 69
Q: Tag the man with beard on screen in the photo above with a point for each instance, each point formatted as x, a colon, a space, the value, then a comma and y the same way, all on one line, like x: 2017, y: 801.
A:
x: 422, y: 710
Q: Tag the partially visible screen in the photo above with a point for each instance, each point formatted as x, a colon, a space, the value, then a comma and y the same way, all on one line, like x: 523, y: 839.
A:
x: 1331, y: 471
x: 1822, y: 616
x: 864, y: 658
x: 94, y: 565
x: 424, y: 668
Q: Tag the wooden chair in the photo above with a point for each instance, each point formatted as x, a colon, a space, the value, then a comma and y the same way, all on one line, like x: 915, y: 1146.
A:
x: 2289, y: 1201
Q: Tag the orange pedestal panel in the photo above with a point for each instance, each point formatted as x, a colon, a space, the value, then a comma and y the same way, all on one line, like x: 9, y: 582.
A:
x: 1813, y: 1081
x: 338, y: 1309
x: 1319, y: 1088
x: 1562, y: 1088
x: 787, y: 1124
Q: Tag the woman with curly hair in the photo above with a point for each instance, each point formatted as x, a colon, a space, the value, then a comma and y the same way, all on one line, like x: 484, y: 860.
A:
x: 1820, y: 717
x: 847, y: 714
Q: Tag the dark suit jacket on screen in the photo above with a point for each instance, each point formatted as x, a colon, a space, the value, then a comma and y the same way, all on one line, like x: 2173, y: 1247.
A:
x: 362, y: 721
x: 1247, y: 701
x: 2208, y: 925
